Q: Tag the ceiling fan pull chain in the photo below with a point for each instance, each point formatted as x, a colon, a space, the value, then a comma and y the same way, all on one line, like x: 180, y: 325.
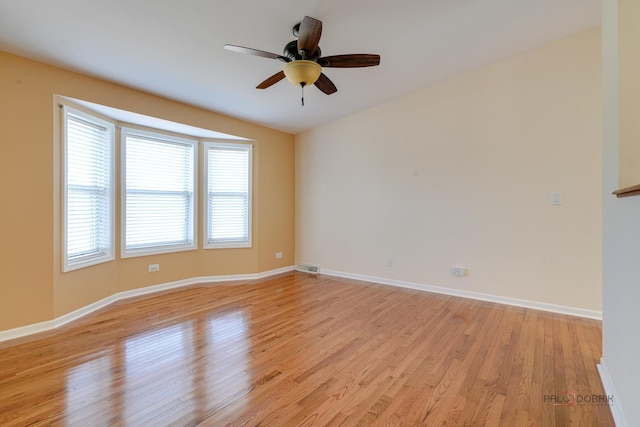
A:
x: 302, y: 86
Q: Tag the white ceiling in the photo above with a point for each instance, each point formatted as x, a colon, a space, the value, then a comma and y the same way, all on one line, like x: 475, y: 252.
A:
x: 174, y: 48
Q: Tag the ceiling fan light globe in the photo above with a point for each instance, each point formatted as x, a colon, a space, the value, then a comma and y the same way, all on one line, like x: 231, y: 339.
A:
x: 302, y: 72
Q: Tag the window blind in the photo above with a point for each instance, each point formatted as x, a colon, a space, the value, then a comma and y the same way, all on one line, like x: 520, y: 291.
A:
x: 159, y: 193
x: 228, y: 213
x: 88, y: 191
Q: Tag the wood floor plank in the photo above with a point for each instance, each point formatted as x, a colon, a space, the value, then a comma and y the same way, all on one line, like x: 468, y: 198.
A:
x: 303, y: 350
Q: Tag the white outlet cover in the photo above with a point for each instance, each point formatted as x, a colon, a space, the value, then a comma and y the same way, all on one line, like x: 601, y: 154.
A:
x: 556, y: 198
x: 458, y: 271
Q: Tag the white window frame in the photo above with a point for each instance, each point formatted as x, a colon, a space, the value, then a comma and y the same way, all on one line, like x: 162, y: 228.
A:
x: 205, y: 196
x: 155, y: 249
x: 107, y: 254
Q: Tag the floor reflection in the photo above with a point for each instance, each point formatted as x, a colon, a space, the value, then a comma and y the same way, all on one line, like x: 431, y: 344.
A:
x: 155, y: 355
x: 176, y: 373
x: 226, y: 360
x: 89, y: 386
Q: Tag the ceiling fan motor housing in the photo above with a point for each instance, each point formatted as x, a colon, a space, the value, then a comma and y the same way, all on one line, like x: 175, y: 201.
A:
x: 291, y: 51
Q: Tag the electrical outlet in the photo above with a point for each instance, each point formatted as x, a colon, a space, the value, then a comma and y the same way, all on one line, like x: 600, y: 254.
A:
x: 278, y: 255
x: 390, y: 262
x: 458, y: 271
x: 154, y: 267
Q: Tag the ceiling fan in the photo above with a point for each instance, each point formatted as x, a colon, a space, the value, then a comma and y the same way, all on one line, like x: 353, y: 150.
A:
x: 303, y: 60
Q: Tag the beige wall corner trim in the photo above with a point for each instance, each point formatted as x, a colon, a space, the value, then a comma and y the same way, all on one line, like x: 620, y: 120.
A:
x: 536, y: 305
x: 81, y: 312
x: 616, y: 407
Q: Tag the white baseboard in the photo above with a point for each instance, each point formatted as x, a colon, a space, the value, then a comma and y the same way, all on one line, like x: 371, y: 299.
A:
x: 616, y: 408
x: 81, y: 312
x: 23, y: 331
x: 554, y: 308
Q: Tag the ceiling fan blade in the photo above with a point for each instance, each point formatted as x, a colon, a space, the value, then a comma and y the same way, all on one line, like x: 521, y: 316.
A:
x: 350, y: 61
x: 309, y: 36
x: 271, y: 80
x: 255, y: 52
x: 325, y: 85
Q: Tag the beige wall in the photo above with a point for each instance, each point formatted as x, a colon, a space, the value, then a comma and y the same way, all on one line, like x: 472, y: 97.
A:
x: 32, y: 287
x: 629, y: 51
x: 461, y: 173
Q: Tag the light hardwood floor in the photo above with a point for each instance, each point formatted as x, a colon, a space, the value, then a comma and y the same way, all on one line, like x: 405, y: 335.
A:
x: 301, y: 350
